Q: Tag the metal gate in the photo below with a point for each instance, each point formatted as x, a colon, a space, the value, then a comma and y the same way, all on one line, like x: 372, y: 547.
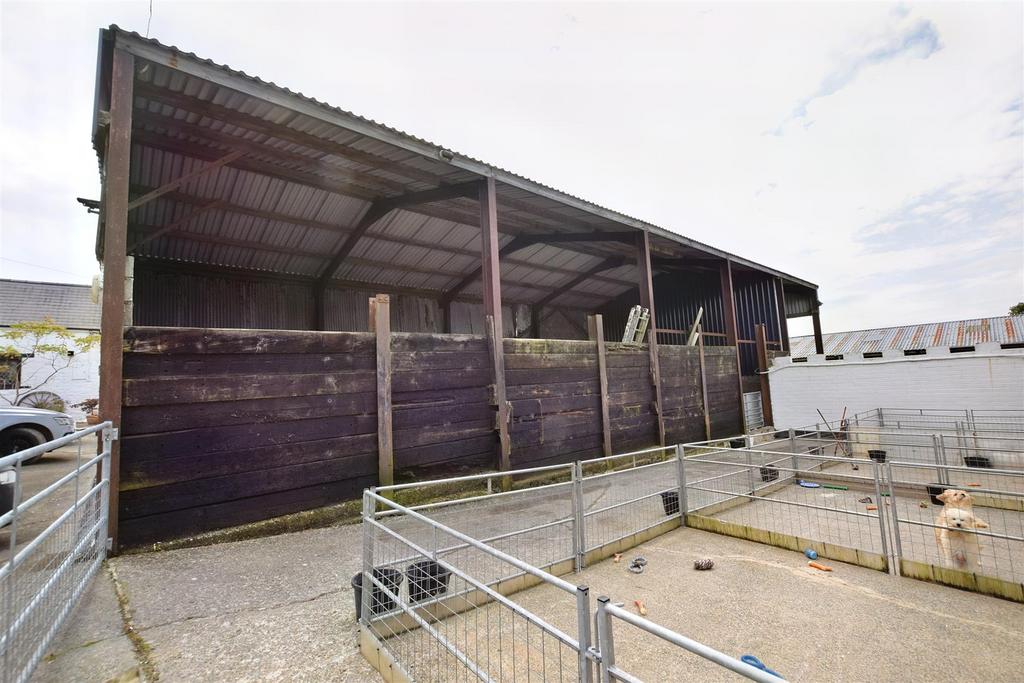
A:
x: 44, y: 577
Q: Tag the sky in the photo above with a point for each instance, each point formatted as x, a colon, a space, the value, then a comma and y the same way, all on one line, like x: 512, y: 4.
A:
x: 874, y: 149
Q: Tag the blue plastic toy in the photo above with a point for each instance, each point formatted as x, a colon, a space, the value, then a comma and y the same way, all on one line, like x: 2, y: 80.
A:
x: 809, y: 484
x: 758, y: 664
x: 811, y: 555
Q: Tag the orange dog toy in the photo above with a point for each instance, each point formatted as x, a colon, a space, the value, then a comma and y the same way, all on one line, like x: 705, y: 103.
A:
x: 872, y: 507
x: 822, y: 567
x: 640, y: 607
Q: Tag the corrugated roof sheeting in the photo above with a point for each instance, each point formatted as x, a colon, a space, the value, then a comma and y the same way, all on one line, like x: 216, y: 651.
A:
x: 1003, y: 329
x: 205, y: 116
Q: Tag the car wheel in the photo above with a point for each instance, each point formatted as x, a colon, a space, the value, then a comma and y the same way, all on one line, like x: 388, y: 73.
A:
x: 20, y: 438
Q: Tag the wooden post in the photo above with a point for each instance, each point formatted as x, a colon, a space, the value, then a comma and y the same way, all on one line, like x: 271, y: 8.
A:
x: 819, y: 345
x: 491, y: 274
x: 319, y: 313
x: 731, y: 336
x: 646, y: 283
x: 115, y: 243
x: 446, y: 315
x: 595, y: 323
x: 780, y: 299
x: 380, y: 325
x: 703, y: 383
x: 762, y: 373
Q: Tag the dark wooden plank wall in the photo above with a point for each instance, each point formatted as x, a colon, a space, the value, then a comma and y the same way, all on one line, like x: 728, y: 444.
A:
x: 225, y: 427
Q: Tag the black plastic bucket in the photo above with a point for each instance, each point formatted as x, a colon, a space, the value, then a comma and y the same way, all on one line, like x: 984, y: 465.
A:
x: 379, y: 601
x: 934, y: 491
x: 670, y: 501
x: 978, y: 461
x: 877, y: 456
x: 737, y: 443
x: 769, y: 473
x: 427, y: 579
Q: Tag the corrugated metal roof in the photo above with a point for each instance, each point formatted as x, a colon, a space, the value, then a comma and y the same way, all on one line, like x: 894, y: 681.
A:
x: 1003, y: 329
x: 68, y: 305
x: 310, y: 171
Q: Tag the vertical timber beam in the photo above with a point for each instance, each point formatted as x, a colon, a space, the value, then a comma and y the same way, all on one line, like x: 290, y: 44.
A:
x: 762, y: 373
x: 491, y: 274
x: 595, y: 324
x: 703, y: 383
x: 819, y: 344
x: 115, y: 244
x: 731, y: 336
x: 780, y: 299
x: 643, y: 260
x: 380, y: 325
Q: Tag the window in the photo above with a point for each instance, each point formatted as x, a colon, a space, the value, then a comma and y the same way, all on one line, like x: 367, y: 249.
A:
x: 872, y: 354
x: 10, y: 372
x: 961, y: 349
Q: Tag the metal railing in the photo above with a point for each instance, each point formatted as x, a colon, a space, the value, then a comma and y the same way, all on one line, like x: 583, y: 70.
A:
x: 610, y: 670
x: 44, y: 576
x: 436, y: 577
x: 976, y: 542
x: 870, y: 497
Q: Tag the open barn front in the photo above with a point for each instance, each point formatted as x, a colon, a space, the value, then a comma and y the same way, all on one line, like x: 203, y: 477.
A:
x: 250, y: 225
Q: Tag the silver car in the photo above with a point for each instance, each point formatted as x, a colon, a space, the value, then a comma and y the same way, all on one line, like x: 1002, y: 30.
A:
x: 22, y: 428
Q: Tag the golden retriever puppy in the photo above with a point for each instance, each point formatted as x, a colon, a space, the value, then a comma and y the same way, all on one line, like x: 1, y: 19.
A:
x: 958, y: 544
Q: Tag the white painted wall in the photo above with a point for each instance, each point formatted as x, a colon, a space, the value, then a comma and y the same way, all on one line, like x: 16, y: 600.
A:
x: 79, y: 381
x: 990, y: 378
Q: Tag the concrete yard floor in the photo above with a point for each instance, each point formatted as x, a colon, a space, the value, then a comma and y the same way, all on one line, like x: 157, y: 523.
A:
x: 852, y: 624
x: 268, y: 609
x: 280, y: 609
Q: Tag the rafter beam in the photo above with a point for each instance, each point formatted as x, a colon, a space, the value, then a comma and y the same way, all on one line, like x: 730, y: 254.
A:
x: 595, y: 236
x: 178, y: 182
x: 607, y: 264
x: 516, y: 244
x: 373, y: 214
x: 176, y: 225
x: 535, y: 309
x: 371, y: 234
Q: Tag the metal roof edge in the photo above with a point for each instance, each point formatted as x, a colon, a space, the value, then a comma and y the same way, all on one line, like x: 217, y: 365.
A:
x: 194, y: 65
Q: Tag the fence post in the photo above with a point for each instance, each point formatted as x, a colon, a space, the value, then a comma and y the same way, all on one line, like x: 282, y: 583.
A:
x: 897, y: 543
x: 881, y: 513
x: 579, y: 539
x: 605, y: 640
x: 586, y: 670
x: 881, y: 419
x: 940, y: 458
x: 681, y: 473
x: 792, y: 449
x: 366, y: 582
x: 749, y: 443
x: 108, y: 441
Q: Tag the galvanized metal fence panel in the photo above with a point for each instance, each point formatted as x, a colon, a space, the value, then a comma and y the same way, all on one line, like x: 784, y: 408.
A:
x: 45, y: 576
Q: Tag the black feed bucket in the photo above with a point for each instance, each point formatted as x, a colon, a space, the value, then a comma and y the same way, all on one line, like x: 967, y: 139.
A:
x: 769, y: 473
x: 978, y: 461
x: 877, y: 456
x: 670, y: 501
x: 426, y: 580
x: 934, y: 491
x: 737, y: 443
x: 379, y: 601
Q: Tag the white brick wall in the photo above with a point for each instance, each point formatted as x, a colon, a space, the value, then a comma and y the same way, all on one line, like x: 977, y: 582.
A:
x: 79, y: 381
x: 989, y: 378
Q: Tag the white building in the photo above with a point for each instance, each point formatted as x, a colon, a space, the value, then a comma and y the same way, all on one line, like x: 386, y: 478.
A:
x: 68, y: 305
x: 954, y: 365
